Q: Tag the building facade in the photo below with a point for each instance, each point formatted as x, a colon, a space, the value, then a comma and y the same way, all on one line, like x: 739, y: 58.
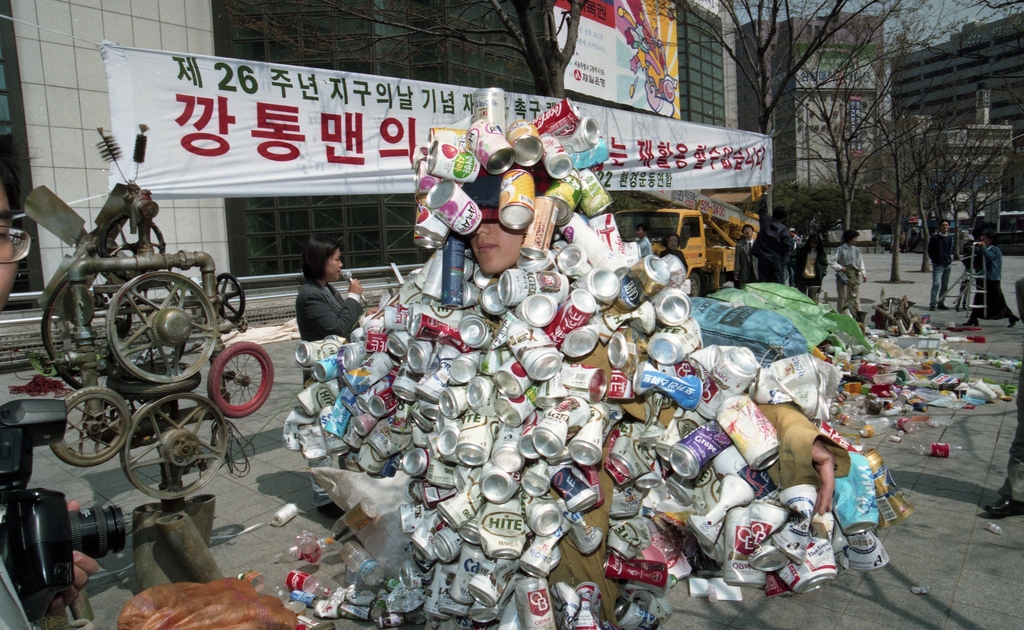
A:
x: 53, y: 97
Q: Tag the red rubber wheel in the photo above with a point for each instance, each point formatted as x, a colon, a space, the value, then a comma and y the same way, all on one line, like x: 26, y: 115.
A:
x: 240, y: 379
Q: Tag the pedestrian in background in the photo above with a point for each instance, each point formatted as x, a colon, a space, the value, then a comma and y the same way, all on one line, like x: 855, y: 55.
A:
x: 773, y: 245
x: 787, y: 264
x: 1011, y: 493
x: 744, y: 271
x: 671, y: 243
x: 810, y: 265
x: 995, y: 303
x: 940, y: 252
x: 642, y: 240
x: 850, y: 272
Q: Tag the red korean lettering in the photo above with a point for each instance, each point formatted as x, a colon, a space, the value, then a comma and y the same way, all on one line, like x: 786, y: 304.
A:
x: 664, y: 153
x: 197, y: 143
x: 392, y: 132
x: 681, y: 151
x: 348, y: 130
x: 617, y: 153
x: 279, y: 124
x: 646, y: 152
x: 700, y: 157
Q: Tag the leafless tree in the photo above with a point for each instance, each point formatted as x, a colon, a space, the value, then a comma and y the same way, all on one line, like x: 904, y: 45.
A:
x: 530, y: 29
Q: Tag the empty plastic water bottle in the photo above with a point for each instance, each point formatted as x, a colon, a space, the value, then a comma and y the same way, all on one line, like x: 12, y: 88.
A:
x: 875, y: 425
x: 937, y: 449
x: 307, y: 547
x: 363, y: 564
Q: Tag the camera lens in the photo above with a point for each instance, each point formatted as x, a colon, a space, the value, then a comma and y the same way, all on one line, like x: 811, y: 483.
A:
x: 98, y: 531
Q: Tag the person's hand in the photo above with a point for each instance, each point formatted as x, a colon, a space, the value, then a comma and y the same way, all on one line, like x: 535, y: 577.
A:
x: 84, y: 567
x: 354, y: 286
x: 825, y: 463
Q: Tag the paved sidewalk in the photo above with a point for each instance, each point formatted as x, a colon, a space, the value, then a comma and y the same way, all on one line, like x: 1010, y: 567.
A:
x: 973, y: 575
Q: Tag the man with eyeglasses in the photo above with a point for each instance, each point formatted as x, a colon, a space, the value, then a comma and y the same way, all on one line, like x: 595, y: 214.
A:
x: 15, y: 245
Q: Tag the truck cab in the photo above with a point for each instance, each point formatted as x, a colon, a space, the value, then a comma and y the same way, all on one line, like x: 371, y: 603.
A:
x: 712, y: 228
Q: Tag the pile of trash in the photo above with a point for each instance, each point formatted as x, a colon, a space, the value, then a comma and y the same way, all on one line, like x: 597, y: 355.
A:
x: 576, y: 435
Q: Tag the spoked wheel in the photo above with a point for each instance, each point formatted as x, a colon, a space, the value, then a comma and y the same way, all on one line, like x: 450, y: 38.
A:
x: 232, y: 297
x: 241, y: 378
x: 172, y: 331
x: 175, y: 446
x: 98, y: 423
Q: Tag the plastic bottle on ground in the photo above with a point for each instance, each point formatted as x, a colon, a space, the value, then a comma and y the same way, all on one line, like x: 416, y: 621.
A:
x: 872, y: 426
x: 354, y: 520
x: 995, y: 529
x: 937, y: 449
x: 363, y: 564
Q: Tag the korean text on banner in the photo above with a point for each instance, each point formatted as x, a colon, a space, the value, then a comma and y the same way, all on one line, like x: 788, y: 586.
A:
x: 222, y: 127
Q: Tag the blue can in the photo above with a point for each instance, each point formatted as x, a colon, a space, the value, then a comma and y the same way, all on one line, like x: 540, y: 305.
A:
x: 453, y: 271
x: 854, y: 502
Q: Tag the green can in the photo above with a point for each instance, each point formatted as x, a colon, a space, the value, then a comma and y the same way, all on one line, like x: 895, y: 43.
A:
x: 569, y: 189
x: 595, y: 199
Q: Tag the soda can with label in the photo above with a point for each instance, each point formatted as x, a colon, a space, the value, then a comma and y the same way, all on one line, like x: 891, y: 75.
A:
x: 594, y: 199
x: 490, y: 147
x: 452, y: 163
x: 454, y: 207
x: 489, y: 105
x: 561, y: 119
x: 567, y: 190
x: 538, y: 236
x: 515, y: 200
x: 525, y: 139
x: 556, y: 160
x: 689, y: 456
x: 453, y: 271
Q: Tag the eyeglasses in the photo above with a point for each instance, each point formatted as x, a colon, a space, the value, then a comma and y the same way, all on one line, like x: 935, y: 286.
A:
x: 14, y: 244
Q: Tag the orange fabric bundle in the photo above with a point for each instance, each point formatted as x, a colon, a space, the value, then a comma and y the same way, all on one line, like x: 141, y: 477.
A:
x: 228, y: 604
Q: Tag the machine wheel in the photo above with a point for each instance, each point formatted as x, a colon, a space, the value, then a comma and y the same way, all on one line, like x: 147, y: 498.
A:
x: 173, y: 329
x: 175, y: 446
x: 56, y: 333
x: 696, y: 284
x: 240, y: 379
x: 141, y: 390
x: 114, y: 242
x: 232, y: 297
x: 98, y: 422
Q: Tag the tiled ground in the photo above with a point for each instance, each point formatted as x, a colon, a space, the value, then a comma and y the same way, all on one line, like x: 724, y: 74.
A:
x: 974, y: 576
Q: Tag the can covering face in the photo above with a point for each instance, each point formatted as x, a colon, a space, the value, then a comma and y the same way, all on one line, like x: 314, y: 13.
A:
x: 454, y: 207
x: 557, y: 162
x: 538, y: 236
x: 451, y: 163
x: 585, y: 137
x: 568, y: 189
x: 489, y: 105
x: 490, y: 147
x: 515, y: 201
x: 560, y: 119
x: 526, y: 142
x: 594, y: 199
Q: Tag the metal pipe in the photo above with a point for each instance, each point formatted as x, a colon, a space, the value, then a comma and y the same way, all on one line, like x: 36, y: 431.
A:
x: 186, y: 541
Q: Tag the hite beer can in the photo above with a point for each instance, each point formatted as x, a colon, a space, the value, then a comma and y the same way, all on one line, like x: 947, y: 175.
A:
x: 489, y: 105
x: 594, y: 199
x: 557, y: 162
x: 453, y: 206
x: 515, y: 201
x: 533, y: 602
x: 448, y: 161
x: 893, y: 505
x: 490, y: 147
x: 526, y: 142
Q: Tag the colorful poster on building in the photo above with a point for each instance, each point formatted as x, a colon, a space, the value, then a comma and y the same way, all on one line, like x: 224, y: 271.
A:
x: 222, y: 127
x: 626, y: 52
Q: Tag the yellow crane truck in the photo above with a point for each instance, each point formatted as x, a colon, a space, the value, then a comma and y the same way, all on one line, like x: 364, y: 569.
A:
x: 708, y: 227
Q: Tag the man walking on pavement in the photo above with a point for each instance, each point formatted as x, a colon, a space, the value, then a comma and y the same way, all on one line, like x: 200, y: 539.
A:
x: 773, y: 245
x: 1011, y: 494
x: 940, y: 252
x: 642, y: 240
x: 744, y: 272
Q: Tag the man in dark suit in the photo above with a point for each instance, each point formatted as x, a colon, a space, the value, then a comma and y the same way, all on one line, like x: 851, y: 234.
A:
x: 744, y: 271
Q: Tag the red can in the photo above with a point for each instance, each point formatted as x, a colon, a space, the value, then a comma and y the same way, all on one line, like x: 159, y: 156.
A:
x: 429, y: 329
x: 560, y: 120
x: 575, y: 313
x: 376, y: 341
x: 620, y: 387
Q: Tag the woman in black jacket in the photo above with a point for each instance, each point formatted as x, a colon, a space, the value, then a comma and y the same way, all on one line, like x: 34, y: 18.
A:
x: 810, y: 266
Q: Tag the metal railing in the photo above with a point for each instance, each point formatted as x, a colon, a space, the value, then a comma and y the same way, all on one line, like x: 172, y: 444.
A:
x: 269, y: 300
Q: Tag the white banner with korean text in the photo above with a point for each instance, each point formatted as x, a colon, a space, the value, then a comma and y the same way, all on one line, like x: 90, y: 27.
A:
x: 222, y: 127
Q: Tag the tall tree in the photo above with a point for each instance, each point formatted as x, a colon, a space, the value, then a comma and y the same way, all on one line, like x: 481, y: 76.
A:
x: 531, y: 29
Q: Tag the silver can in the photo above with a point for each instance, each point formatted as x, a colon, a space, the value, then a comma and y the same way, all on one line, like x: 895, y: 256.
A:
x: 581, y: 342
x: 415, y: 462
x: 525, y: 140
x: 671, y: 306
x: 536, y: 479
x: 481, y: 395
x: 476, y: 332
x: 465, y: 367
x: 475, y: 440
x: 489, y: 105
x: 447, y: 544
x: 538, y: 310
x: 572, y: 261
x: 419, y: 356
x: 602, y: 283
x: 490, y: 147
x: 453, y: 401
x: 505, y: 452
x: 556, y: 160
x: 541, y: 363
x: 543, y: 516
x: 511, y: 378
x: 309, y: 352
x: 490, y: 300
x: 514, y: 411
x: 665, y: 348
x: 585, y: 138
x: 497, y: 485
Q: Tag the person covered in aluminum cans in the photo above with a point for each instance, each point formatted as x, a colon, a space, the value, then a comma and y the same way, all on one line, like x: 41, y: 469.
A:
x: 642, y: 240
x: 1011, y: 493
x: 14, y: 246
x: 321, y: 311
x: 850, y: 272
x: 773, y: 245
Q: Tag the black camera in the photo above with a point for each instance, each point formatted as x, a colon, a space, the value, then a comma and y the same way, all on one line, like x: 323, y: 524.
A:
x: 37, y: 532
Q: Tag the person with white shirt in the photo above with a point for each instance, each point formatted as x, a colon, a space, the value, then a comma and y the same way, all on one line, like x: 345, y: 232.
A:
x: 642, y: 240
x: 850, y: 272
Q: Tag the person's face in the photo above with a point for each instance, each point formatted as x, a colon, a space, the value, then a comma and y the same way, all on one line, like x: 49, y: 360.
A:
x: 332, y: 270
x: 944, y: 227
x: 8, y: 271
x: 673, y: 242
x: 641, y: 233
x: 986, y: 241
x: 748, y: 233
x: 496, y: 247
